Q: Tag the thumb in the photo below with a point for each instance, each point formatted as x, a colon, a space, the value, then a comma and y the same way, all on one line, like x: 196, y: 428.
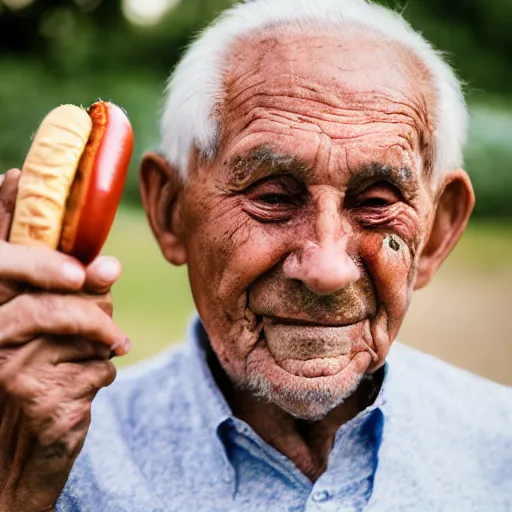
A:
x: 101, y: 274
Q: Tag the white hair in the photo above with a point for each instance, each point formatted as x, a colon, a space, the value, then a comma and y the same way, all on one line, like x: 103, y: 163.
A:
x: 196, y: 88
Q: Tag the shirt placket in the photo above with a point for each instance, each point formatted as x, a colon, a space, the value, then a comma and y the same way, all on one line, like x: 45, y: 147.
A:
x: 350, y: 464
x: 247, y: 439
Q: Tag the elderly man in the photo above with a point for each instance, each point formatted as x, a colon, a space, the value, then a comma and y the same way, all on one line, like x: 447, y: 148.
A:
x: 310, y: 177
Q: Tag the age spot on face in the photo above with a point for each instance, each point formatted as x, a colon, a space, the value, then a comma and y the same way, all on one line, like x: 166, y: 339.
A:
x: 393, y: 243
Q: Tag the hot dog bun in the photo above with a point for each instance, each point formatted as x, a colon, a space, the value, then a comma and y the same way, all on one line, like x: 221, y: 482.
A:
x: 47, y: 175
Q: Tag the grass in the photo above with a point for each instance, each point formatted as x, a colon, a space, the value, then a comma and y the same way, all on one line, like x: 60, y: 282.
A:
x: 486, y: 246
x: 153, y: 302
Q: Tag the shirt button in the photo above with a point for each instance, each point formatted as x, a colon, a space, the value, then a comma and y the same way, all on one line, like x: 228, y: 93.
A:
x: 321, y: 496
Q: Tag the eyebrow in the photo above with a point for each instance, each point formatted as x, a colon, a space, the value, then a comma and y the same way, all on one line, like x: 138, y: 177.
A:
x: 400, y: 176
x: 264, y: 161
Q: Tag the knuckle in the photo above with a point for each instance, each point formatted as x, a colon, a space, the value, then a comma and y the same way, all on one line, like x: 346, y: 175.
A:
x: 13, y: 315
x: 24, y: 304
x: 78, y: 413
x: 111, y: 373
x: 8, y: 290
x: 39, y: 309
x: 17, y: 385
x: 57, y: 441
x: 105, y: 303
x: 8, y: 379
x: 6, y: 360
x: 104, y: 375
x: 47, y: 264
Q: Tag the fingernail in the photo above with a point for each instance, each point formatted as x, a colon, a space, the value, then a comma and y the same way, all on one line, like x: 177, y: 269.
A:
x: 124, y: 346
x: 109, y: 270
x: 72, y: 273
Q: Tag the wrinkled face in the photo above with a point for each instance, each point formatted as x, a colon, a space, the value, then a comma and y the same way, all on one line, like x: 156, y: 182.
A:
x: 303, y: 237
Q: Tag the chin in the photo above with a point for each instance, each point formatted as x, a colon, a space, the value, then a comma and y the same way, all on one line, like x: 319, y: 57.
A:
x: 308, y: 398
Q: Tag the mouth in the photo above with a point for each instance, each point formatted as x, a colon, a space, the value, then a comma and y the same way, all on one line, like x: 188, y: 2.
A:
x: 308, y: 323
x: 314, y: 368
x: 310, y: 349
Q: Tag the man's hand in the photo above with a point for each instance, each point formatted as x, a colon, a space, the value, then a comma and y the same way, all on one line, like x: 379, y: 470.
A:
x: 56, y: 338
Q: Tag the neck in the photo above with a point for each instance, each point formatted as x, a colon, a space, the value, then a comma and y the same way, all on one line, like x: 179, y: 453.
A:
x: 307, y: 444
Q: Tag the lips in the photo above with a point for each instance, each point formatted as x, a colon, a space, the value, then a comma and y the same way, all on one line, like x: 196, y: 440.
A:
x: 318, y: 367
x: 309, y: 349
x: 307, y: 323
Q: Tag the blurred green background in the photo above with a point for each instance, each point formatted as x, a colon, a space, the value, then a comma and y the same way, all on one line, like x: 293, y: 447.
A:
x: 59, y: 51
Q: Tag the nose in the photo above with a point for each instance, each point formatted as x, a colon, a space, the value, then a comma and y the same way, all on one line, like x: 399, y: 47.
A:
x: 324, y: 269
x: 324, y: 265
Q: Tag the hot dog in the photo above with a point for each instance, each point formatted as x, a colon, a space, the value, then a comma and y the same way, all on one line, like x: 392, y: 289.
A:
x: 72, y: 180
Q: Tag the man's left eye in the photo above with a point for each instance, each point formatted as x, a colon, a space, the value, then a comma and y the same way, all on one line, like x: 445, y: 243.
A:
x: 374, y: 202
x: 379, y: 196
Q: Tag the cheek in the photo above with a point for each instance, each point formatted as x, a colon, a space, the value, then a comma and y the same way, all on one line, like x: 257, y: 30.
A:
x: 229, y: 251
x: 251, y: 249
x: 391, y: 266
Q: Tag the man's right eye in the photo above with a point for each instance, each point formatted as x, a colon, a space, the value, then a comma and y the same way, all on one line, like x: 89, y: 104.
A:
x: 274, y: 198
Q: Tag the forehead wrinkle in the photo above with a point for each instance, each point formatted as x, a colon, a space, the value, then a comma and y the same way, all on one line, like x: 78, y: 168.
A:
x: 264, y: 159
x: 248, y: 89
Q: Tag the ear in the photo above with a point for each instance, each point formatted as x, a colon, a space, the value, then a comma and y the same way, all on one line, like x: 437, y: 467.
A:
x: 454, y: 206
x: 160, y: 188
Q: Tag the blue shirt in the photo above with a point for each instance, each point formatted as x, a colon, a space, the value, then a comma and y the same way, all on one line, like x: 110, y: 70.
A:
x: 163, y: 438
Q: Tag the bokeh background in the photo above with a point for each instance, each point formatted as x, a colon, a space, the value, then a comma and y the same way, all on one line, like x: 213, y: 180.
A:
x: 59, y: 51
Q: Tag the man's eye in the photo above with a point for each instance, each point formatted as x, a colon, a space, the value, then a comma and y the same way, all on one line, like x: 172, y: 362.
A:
x: 379, y: 196
x: 274, y: 199
x: 373, y: 202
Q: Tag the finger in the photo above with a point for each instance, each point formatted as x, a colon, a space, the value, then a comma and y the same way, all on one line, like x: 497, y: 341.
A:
x: 49, y: 351
x: 104, y: 302
x: 78, y: 350
x: 30, y: 315
x: 9, y: 290
x: 8, y: 191
x: 101, y: 274
x: 54, y: 350
x: 72, y: 355
x: 74, y: 349
x: 40, y: 267
x: 90, y: 376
